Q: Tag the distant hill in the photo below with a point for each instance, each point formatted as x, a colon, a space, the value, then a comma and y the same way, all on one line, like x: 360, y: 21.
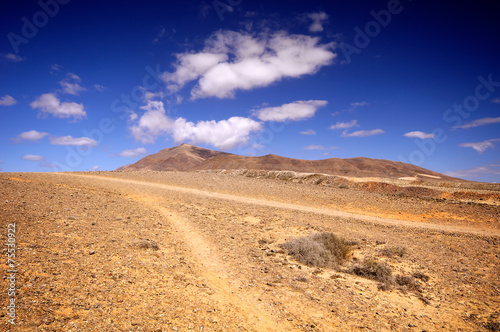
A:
x: 188, y: 157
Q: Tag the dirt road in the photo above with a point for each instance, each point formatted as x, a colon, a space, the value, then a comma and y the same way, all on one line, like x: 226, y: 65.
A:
x: 181, y: 251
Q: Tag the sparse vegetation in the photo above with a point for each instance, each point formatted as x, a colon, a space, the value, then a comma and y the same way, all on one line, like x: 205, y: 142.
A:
x: 319, y: 249
x: 146, y: 244
x: 407, y: 282
x: 394, y: 251
x: 372, y: 269
x: 421, y: 276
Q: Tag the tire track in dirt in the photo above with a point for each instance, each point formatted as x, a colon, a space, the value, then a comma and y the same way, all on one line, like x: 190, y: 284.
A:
x: 302, y: 208
x: 216, y: 274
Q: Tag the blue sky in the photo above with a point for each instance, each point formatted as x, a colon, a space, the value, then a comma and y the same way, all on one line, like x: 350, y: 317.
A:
x: 96, y: 85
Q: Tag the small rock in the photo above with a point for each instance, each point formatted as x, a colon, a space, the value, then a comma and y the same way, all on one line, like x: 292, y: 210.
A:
x: 91, y: 252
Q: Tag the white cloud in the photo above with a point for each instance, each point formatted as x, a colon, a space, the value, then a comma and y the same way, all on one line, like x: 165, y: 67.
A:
x: 481, y: 146
x: 12, y: 57
x: 308, y: 132
x: 7, y: 101
x: 352, y: 107
x: 48, y: 103
x: 478, y: 123
x: 71, y: 84
x: 320, y: 147
x: 475, y: 172
x: 223, y: 134
x: 33, y: 157
x: 318, y: 20
x: 68, y: 140
x: 132, y: 153
x: 31, y: 135
x: 296, y: 111
x: 159, y: 35
x: 344, y: 125
x: 363, y: 133
x: 95, y: 168
x: 232, y: 61
x: 419, y: 134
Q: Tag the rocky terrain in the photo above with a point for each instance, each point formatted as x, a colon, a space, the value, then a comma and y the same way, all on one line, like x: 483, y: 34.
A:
x: 204, y: 251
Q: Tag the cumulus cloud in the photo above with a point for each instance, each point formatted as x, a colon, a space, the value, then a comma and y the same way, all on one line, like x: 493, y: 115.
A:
x: 48, y: 103
x: 478, y: 123
x: 344, y: 125
x: 232, y: 61
x: 308, y: 132
x: 317, y: 21
x: 224, y: 134
x: 296, y: 111
x: 68, y: 140
x: 33, y: 157
x: 419, y: 134
x: 363, y: 133
x: 132, y: 153
x: 71, y: 84
x: 12, y: 57
x: 481, y: 146
x: 31, y: 135
x: 475, y: 172
x: 7, y: 101
x: 320, y: 147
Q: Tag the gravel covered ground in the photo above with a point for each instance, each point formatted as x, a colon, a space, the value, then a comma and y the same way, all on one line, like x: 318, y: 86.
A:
x: 171, y: 251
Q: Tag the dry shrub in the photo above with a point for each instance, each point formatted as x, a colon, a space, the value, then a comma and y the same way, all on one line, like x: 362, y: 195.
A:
x: 371, y: 269
x: 407, y: 282
x: 319, y: 249
x: 421, y: 276
x: 394, y: 251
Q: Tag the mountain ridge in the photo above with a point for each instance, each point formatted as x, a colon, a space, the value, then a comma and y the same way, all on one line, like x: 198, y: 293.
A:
x: 187, y: 157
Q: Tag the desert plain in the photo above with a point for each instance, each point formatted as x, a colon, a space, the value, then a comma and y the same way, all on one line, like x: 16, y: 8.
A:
x: 204, y: 251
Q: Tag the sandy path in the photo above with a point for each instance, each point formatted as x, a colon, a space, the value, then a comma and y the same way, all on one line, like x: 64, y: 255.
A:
x: 300, y: 208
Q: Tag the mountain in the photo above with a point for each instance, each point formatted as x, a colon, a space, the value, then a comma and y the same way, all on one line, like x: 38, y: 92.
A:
x: 188, y: 157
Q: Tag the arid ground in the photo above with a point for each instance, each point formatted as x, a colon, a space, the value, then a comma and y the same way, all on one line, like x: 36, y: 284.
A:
x: 202, y: 251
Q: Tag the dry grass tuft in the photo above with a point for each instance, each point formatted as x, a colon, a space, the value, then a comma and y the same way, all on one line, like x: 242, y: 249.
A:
x: 371, y: 269
x: 146, y: 244
x: 394, y: 251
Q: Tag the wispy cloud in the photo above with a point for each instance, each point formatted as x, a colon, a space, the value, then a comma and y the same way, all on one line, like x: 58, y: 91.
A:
x: 363, y: 133
x: 55, y: 68
x: 475, y: 172
x: 223, y: 134
x: 419, y: 134
x: 481, y: 146
x: 478, y: 123
x: 68, y: 140
x: 48, y: 103
x: 31, y: 135
x: 344, y: 125
x: 232, y: 61
x: 33, y: 157
x: 320, y: 147
x: 100, y: 88
x: 496, y: 100
x: 318, y: 19
x: 159, y: 35
x: 296, y: 111
x: 71, y: 84
x: 132, y: 153
x: 11, y: 57
x: 352, y: 107
x: 308, y: 132
x: 7, y: 101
